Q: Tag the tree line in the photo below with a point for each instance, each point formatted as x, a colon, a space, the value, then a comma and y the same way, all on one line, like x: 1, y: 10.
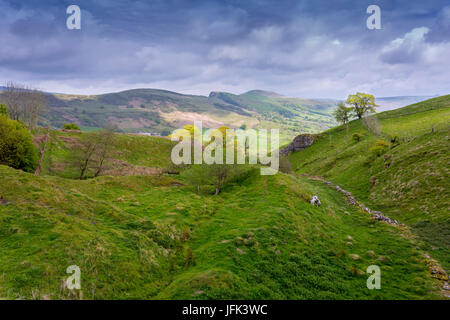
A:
x: 23, y: 103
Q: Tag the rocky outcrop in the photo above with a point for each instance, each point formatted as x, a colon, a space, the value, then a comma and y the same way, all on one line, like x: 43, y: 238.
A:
x: 300, y: 142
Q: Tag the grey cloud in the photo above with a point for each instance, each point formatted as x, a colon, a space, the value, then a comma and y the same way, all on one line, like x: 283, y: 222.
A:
x: 300, y: 48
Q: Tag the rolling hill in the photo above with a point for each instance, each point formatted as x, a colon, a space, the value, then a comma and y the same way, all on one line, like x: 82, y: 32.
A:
x: 160, y: 111
x: 397, y: 163
x: 392, y: 103
x: 152, y: 237
x: 140, y: 231
x: 148, y: 234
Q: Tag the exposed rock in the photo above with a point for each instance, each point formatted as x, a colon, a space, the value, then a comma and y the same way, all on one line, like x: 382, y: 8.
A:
x: 315, y: 201
x: 354, y: 256
x: 300, y: 142
x: 380, y: 217
x: 196, y: 293
x: 371, y: 253
x: 384, y: 259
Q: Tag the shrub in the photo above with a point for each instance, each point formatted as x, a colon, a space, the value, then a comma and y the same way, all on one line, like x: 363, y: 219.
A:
x: 70, y: 126
x: 16, y: 145
x: 393, y: 139
x: 357, y: 137
x: 379, y: 147
x: 3, y: 109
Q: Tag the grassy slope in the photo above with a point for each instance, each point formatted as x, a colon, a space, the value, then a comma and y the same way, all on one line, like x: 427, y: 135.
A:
x: 409, y: 182
x: 132, y: 238
x: 135, y: 150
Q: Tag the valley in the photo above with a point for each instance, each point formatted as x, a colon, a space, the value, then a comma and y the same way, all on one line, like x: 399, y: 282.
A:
x: 141, y: 230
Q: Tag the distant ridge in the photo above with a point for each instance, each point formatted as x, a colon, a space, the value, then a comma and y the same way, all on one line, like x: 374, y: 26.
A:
x: 161, y: 111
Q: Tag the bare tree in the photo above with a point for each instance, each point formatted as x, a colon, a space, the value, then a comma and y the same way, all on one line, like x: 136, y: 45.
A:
x: 24, y: 103
x: 92, y: 153
x: 12, y: 97
x: 106, y: 139
x: 85, y: 154
x: 35, y: 103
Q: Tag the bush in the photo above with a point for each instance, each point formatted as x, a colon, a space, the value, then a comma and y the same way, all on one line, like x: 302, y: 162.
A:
x: 3, y: 109
x: 70, y: 126
x: 379, y: 147
x: 357, y: 137
x: 16, y: 145
x: 393, y: 139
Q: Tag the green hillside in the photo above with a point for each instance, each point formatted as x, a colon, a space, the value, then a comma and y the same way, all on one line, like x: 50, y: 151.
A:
x: 160, y: 111
x: 131, y: 154
x: 408, y: 180
x: 141, y: 231
x: 150, y: 237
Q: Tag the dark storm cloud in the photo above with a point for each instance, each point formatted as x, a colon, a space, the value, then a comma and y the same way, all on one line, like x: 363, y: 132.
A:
x: 301, y: 48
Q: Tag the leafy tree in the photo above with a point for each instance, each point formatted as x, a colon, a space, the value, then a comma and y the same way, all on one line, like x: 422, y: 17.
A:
x: 3, y: 110
x: 343, y: 113
x: 193, y: 130
x: 362, y: 103
x: 70, y: 126
x: 217, y: 175
x: 165, y: 132
x: 16, y: 145
x: 196, y: 176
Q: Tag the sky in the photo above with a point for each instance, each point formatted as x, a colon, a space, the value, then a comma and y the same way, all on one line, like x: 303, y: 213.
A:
x: 311, y: 49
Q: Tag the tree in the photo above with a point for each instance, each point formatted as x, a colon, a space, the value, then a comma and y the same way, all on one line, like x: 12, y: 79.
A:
x: 70, y: 126
x: 362, y: 104
x: 93, y: 152
x: 12, y: 96
x: 217, y: 175
x: 16, y: 145
x: 343, y: 113
x: 106, y: 140
x: 3, y: 109
x: 196, y: 176
x: 24, y: 103
x: 84, y: 155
